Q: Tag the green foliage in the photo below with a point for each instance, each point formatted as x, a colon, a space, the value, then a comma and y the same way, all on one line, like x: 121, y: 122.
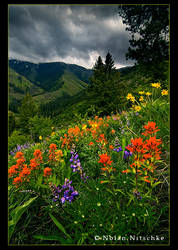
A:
x: 11, y: 122
x: 151, y: 23
x: 16, y: 215
x: 17, y: 138
x: 39, y: 126
x: 27, y: 110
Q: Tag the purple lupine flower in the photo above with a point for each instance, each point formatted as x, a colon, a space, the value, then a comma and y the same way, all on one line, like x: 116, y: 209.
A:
x: 76, y: 164
x: 66, y: 193
x: 62, y: 200
x: 127, y: 154
x: 119, y: 149
x: 19, y: 147
x: 137, y: 194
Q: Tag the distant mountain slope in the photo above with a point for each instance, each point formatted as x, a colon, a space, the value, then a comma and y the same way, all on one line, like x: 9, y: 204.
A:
x: 47, y: 75
x: 71, y: 85
x: 45, y: 82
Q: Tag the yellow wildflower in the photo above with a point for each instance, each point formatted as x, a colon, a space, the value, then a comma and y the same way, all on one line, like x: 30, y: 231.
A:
x: 141, y: 99
x: 129, y: 96
x: 164, y: 92
x: 40, y: 137
x: 84, y: 126
x: 156, y: 85
x: 53, y: 133
x: 132, y: 99
x: 58, y: 154
x: 148, y: 93
x: 137, y: 108
x: 141, y: 92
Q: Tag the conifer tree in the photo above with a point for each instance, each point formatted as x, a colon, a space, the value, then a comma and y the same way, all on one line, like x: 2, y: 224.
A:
x: 27, y: 110
x: 109, y: 64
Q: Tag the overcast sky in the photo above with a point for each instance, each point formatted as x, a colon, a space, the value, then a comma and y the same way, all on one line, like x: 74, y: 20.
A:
x: 75, y: 34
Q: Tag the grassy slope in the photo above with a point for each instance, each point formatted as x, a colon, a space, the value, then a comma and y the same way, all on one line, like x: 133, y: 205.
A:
x: 19, y: 85
x: 72, y: 85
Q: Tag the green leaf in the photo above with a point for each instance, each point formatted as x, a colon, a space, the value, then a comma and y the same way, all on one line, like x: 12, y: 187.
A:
x: 47, y: 237
x: 16, y: 215
x: 58, y: 224
x: 156, y: 183
x: 119, y: 190
x: 123, y: 146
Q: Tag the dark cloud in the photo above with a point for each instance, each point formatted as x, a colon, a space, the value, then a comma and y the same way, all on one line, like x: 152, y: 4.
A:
x: 69, y: 33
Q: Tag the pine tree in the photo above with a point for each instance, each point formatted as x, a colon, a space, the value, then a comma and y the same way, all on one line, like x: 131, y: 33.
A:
x: 109, y: 64
x: 27, y: 110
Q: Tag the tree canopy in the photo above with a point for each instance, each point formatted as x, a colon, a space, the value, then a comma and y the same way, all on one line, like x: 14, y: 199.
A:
x: 149, y: 27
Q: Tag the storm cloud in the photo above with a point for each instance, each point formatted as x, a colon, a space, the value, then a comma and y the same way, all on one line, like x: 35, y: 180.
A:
x: 70, y: 33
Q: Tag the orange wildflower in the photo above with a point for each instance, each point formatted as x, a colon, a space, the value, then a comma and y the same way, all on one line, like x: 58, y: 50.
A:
x: 17, y: 180
x: 125, y: 171
x: 25, y: 171
x: 19, y: 154
x: 33, y: 164
x: 105, y: 159
x: 47, y: 171
x: 111, y: 147
x: 37, y: 153
x: 150, y: 128
x: 20, y: 161
x: 91, y: 143
x: 13, y: 170
x: 113, y: 131
x: 53, y: 146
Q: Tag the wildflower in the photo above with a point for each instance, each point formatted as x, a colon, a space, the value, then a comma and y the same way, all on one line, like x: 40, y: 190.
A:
x: 91, y: 143
x: 105, y: 159
x: 141, y: 99
x: 17, y: 180
x: 37, y: 153
x: 113, y: 131
x: 40, y: 137
x: 137, y: 145
x: 141, y: 92
x: 132, y: 99
x: 25, y: 171
x: 67, y: 192
x: 146, y: 180
x: 58, y: 155
x: 137, y: 194
x: 13, y: 170
x: 53, y: 146
x: 129, y: 96
x: 53, y: 133
x: 47, y: 171
x: 19, y: 154
x: 118, y: 149
x: 111, y: 147
x: 137, y: 108
x: 84, y: 126
x: 150, y: 128
x: 20, y: 161
x: 147, y: 93
x: 127, y: 154
x: 76, y: 165
x: 33, y: 163
x: 164, y: 92
x: 125, y: 171
x: 156, y: 85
